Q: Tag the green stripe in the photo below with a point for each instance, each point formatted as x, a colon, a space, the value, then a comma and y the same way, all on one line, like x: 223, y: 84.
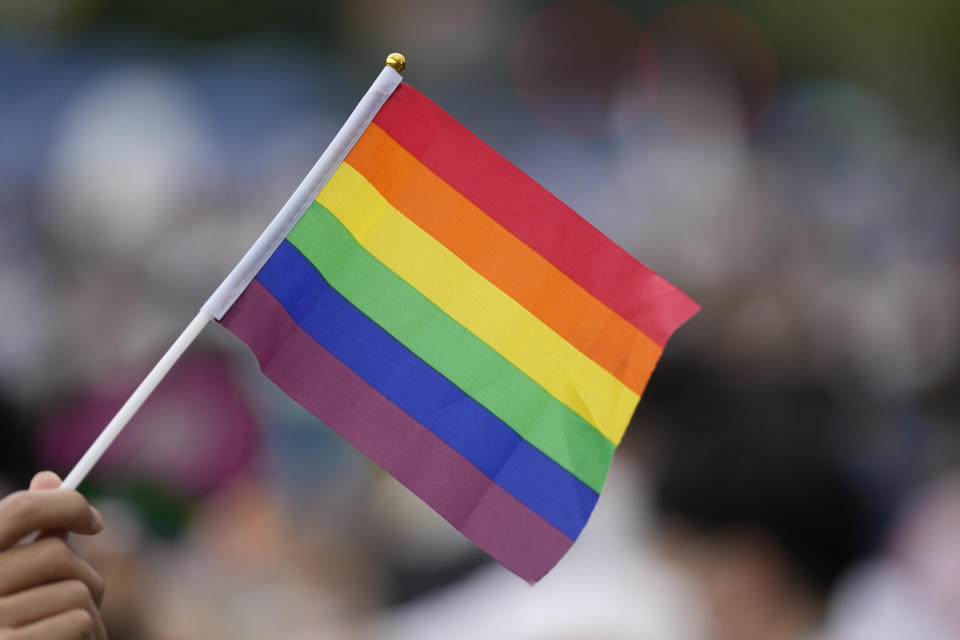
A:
x: 448, y: 347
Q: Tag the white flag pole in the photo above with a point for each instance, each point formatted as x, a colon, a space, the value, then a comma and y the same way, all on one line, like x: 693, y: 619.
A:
x: 231, y: 288
x: 135, y: 401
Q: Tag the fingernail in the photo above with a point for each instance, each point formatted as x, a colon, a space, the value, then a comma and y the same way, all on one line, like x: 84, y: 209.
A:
x: 98, y: 522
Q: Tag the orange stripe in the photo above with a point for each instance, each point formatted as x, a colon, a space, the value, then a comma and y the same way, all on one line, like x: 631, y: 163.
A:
x: 503, y: 259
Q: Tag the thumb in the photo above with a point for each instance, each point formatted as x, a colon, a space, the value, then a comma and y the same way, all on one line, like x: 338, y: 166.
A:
x: 45, y: 480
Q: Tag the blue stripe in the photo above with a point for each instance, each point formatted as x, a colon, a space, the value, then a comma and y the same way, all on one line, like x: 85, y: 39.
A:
x: 431, y: 399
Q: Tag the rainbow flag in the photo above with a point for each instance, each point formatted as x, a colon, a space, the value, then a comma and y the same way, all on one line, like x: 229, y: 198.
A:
x: 464, y: 329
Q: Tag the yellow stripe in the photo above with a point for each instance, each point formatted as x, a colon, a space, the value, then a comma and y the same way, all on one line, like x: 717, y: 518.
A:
x: 479, y: 305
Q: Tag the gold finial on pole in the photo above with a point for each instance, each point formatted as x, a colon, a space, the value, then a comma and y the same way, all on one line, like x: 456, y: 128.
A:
x: 398, y: 61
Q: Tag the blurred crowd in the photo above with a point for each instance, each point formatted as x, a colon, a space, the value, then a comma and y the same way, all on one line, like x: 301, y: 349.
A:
x: 793, y: 166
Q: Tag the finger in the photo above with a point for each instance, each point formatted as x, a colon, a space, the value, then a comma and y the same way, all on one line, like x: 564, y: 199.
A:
x: 45, y: 480
x: 43, y: 562
x: 26, y: 511
x: 75, y: 624
x: 42, y: 481
x: 25, y: 607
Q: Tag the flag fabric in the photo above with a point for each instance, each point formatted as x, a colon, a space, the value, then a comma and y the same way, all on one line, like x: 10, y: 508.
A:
x: 464, y: 329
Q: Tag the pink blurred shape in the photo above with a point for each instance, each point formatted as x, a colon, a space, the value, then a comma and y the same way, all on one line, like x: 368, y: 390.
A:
x: 194, y: 433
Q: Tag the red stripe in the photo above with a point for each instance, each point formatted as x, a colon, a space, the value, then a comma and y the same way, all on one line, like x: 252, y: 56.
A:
x: 534, y: 215
x: 484, y: 512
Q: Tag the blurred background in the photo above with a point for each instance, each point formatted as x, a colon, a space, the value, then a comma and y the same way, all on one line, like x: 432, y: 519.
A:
x: 793, y: 166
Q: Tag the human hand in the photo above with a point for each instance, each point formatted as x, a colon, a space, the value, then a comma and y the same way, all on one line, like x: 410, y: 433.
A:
x: 47, y: 592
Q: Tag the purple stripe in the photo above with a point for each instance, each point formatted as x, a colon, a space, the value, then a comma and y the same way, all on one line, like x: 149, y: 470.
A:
x: 479, y: 508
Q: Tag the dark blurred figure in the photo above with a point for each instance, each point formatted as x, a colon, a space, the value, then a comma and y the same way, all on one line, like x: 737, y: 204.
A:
x: 16, y: 459
x: 765, y: 523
